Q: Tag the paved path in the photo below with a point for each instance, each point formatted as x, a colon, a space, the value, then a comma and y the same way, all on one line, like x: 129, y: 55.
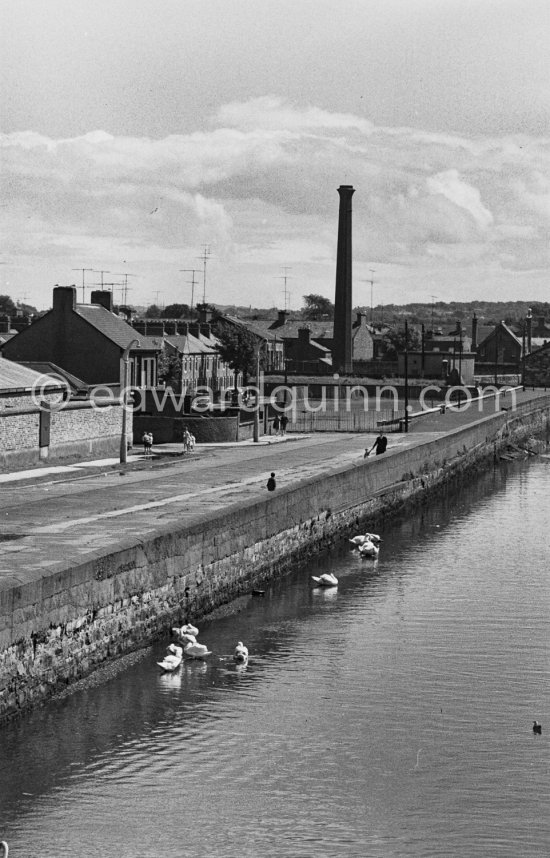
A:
x: 61, y: 514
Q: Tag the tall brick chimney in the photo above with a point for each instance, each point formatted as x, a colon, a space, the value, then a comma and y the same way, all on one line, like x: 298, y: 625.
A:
x: 529, y: 327
x: 342, y: 347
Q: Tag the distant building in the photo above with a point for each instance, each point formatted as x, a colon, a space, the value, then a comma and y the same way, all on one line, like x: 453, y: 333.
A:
x: 87, y: 340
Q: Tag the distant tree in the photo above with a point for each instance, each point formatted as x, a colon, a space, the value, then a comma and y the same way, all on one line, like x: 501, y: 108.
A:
x: 176, y: 311
x: 169, y: 369
x: 395, y: 340
x: 238, y: 348
x: 153, y: 312
x: 317, y: 307
x: 7, y: 306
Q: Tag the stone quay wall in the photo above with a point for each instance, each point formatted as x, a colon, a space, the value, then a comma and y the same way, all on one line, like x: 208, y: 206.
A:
x: 61, y: 627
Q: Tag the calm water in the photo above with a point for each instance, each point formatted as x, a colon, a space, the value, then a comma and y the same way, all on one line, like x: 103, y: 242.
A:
x: 389, y: 717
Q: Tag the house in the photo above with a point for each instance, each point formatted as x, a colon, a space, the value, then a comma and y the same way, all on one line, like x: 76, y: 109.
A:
x: 39, y: 420
x: 201, y: 365
x: 536, y: 369
x: 288, y: 348
x: 87, y: 340
x: 501, y: 348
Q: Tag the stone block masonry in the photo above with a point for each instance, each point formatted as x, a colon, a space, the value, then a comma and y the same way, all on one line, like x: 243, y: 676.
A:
x: 59, y: 625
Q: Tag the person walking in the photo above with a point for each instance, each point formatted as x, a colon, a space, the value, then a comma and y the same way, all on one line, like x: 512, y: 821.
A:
x: 271, y: 484
x: 276, y: 424
x: 380, y: 443
x: 284, y: 423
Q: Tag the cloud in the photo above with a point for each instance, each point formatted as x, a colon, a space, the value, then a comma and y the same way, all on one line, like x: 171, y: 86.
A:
x: 263, y: 177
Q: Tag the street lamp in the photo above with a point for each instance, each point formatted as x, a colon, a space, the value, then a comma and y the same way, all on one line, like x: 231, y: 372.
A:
x: 406, y: 376
x: 256, y: 436
x: 123, y: 400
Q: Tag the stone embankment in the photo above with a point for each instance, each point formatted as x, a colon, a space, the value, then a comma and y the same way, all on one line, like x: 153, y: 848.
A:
x: 61, y: 624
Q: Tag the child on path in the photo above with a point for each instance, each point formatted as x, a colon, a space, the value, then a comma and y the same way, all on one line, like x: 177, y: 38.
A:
x: 271, y: 484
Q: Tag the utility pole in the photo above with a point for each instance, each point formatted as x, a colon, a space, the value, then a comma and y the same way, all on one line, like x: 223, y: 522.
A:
x: 191, y: 271
x: 286, y: 292
x: 205, y: 257
x: 433, y: 297
x: 156, y: 294
x: 83, y: 282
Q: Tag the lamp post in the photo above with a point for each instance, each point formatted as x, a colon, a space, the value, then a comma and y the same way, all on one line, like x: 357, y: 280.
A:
x: 406, y: 376
x: 123, y: 400
x: 256, y: 436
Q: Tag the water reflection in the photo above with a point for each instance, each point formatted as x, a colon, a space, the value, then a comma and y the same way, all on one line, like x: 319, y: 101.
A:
x: 383, y: 693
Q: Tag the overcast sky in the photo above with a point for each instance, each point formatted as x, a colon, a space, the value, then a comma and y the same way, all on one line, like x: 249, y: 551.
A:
x: 135, y: 132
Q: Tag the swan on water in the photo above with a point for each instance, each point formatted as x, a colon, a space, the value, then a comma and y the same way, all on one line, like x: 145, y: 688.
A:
x: 5, y: 849
x: 241, y: 652
x: 327, y: 579
x: 172, y: 659
x: 187, y: 629
x: 369, y: 549
x: 196, y: 650
x: 361, y: 539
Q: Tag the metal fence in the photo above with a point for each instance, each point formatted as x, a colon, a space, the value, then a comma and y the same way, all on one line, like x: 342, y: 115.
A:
x: 345, y: 421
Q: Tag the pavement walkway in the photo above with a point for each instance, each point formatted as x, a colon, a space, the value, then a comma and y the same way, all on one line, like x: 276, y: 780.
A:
x: 61, y: 514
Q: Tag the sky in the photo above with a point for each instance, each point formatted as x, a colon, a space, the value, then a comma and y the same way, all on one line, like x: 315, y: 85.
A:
x: 138, y: 136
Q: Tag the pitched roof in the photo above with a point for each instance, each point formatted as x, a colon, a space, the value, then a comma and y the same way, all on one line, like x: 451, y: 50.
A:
x: 14, y: 376
x: 116, y: 329
x: 263, y: 328
x: 188, y: 344
x: 48, y: 368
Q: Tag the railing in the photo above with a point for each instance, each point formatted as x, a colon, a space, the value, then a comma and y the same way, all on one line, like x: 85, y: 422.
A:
x: 344, y: 421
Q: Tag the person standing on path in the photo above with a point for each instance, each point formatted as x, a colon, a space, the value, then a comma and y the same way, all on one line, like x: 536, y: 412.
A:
x: 284, y: 424
x: 271, y: 484
x: 276, y: 424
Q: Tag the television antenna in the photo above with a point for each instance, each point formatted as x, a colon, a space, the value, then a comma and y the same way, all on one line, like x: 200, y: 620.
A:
x: 286, y: 292
x: 83, y: 280
x: 191, y: 271
x: 125, y: 287
x: 205, y: 257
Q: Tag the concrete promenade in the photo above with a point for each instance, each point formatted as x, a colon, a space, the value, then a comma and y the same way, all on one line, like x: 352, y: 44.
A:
x: 57, y: 516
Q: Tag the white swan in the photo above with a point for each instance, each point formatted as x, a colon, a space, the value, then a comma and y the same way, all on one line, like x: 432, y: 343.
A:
x: 196, y: 650
x: 369, y: 549
x: 360, y: 539
x: 241, y: 652
x: 172, y: 659
x: 5, y: 849
x: 185, y: 630
x: 327, y: 579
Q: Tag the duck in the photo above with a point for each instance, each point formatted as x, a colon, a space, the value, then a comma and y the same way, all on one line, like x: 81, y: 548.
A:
x: 241, y: 652
x: 196, y: 650
x: 537, y: 728
x: 369, y: 549
x: 327, y: 579
x: 172, y: 659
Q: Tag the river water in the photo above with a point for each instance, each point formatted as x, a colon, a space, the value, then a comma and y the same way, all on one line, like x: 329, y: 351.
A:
x: 391, y: 716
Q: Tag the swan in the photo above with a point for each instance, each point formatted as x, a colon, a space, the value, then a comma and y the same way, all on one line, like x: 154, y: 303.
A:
x: 360, y: 540
x: 327, y: 579
x: 185, y: 630
x: 196, y: 650
x: 369, y: 549
x: 241, y: 652
x: 5, y: 849
x: 172, y: 659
